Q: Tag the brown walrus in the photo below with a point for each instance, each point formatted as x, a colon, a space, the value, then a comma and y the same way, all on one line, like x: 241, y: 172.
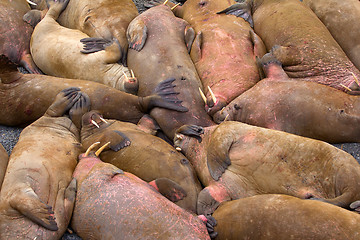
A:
x: 235, y: 160
x: 282, y: 217
x: 142, y: 154
x: 4, y: 159
x: 228, y: 40
x: 111, y: 203
x: 25, y: 97
x: 339, y: 17
x: 70, y: 53
x: 304, y: 108
x: 157, y: 41
x: 38, y: 194
x: 106, y: 19
x: 300, y: 41
x: 15, y: 34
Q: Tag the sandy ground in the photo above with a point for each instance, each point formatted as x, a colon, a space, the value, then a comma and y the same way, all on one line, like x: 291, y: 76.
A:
x: 9, y: 136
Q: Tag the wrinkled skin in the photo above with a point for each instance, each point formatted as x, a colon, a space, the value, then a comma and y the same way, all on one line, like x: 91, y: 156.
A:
x: 129, y: 207
x: 339, y: 17
x: 57, y: 52
x: 227, y: 39
x: 236, y: 160
x: 26, y: 97
x: 157, y: 52
x: 277, y: 217
x: 38, y: 193
x: 15, y: 34
x: 4, y: 159
x: 303, y: 108
x: 106, y: 19
x: 142, y: 154
x: 302, y: 43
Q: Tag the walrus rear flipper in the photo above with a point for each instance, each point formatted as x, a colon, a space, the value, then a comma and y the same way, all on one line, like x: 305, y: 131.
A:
x: 27, y: 202
x: 242, y: 10
x: 169, y: 189
x: 92, y: 45
x: 164, y: 96
x: 195, y: 51
x: 136, y: 34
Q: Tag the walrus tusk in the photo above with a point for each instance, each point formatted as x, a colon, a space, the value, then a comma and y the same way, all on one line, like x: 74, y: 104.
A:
x: 132, y: 73
x: 31, y: 3
x: 174, y: 6
x: 345, y: 87
x: 222, y: 110
x: 93, y: 122
x: 178, y: 149
x: 126, y: 77
x: 90, y: 148
x: 356, y: 80
x: 103, y: 120
x: 212, y: 95
x: 178, y: 136
x: 202, y: 95
x: 166, y: 1
x: 97, y: 153
x: 226, y: 118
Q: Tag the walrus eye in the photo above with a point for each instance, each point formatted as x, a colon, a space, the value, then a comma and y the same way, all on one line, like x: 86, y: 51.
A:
x: 202, y: 3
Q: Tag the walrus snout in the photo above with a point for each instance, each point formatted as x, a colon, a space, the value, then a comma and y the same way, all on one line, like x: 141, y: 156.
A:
x: 93, y: 118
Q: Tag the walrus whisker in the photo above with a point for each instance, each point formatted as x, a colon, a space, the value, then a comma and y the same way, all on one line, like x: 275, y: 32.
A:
x: 175, y: 6
x: 202, y: 95
x: 178, y: 149
x: 355, y: 78
x: 93, y: 122
x: 97, y: 153
x: 90, y: 148
x: 103, y: 120
x: 345, y: 87
x: 212, y: 94
x: 166, y: 1
x: 31, y: 3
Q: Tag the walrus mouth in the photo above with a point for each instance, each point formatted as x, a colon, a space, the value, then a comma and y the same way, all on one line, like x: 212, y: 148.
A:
x: 97, y: 124
x: 213, y: 97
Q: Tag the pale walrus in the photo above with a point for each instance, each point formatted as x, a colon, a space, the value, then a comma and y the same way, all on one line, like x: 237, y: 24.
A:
x: 228, y: 40
x: 15, y: 34
x: 159, y: 44
x: 4, y: 159
x: 38, y: 193
x: 25, y: 97
x: 304, y: 108
x: 282, y: 217
x: 142, y: 154
x: 70, y: 53
x: 111, y: 203
x: 235, y: 160
x: 300, y: 41
x: 340, y: 18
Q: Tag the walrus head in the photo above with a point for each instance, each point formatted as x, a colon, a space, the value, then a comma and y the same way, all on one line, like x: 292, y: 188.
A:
x: 93, y: 119
x: 192, y: 131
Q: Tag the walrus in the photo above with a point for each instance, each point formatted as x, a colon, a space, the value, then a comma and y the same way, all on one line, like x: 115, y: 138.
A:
x: 236, y: 160
x: 130, y: 207
x: 38, y: 193
x: 229, y: 40
x: 140, y: 153
x: 107, y: 19
x: 339, y: 18
x: 15, y: 34
x: 303, y: 108
x: 276, y: 216
x: 298, y: 39
x: 159, y: 44
x: 70, y: 53
x: 4, y: 159
x: 25, y: 97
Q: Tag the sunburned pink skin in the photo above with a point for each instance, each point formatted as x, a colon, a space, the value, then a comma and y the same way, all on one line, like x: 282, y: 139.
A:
x: 129, y: 207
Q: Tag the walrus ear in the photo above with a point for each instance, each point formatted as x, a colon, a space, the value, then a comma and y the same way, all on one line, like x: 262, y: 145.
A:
x: 195, y: 52
x: 242, y: 10
x: 189, y: 37
x: 136, y: 34
x: 192, y: 131
x: 169, y: 189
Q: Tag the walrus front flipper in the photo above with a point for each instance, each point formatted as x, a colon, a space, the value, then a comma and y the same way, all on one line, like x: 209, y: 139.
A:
x: 92, y: 45
x: 8, y: 70
x: 33, y: 17
x: 210, y: 198
x: 118, y: 141
x: 169, y: 189
x: 195, y: 52
x: 81, y: 106
x: 272, y: 67
x: 164, y: 96
x: 27, y: 202
x: 136, y: 34
x: 63, y: 102
x: 242, y: 10
x: 259, y: 46
x: 218, y: 154
x: 210, y: 223
x: 190, y: 130
x: 189, y: 37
